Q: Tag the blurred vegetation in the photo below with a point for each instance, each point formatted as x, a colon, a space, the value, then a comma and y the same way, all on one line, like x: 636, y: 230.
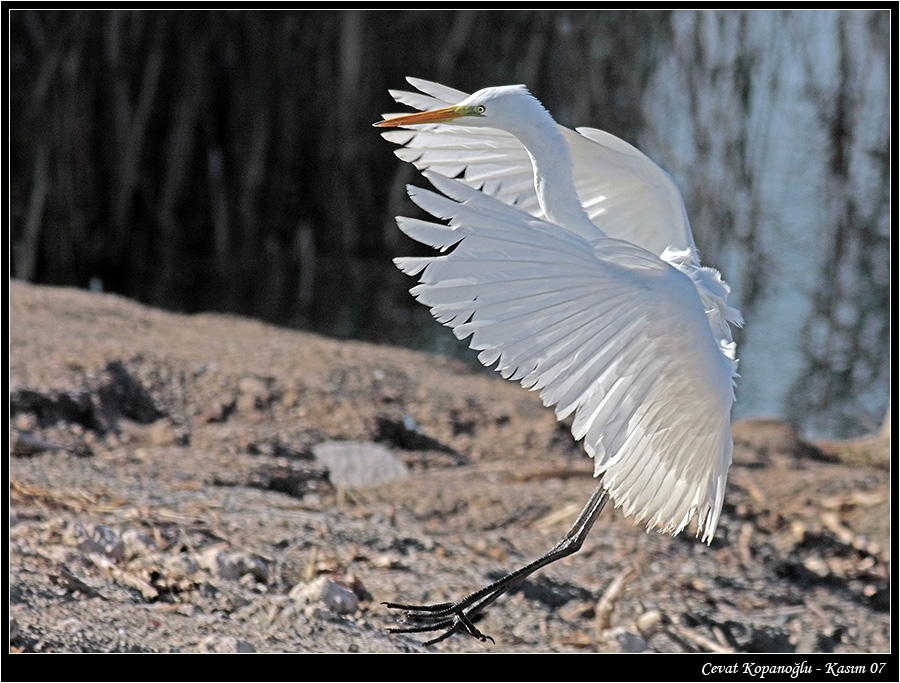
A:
x: 178, y: 156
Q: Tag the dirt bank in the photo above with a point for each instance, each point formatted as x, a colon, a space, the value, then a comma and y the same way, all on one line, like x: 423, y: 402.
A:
x: 166, y: 496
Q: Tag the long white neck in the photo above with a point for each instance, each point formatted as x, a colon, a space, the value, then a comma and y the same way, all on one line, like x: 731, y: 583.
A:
x: 553, y: 180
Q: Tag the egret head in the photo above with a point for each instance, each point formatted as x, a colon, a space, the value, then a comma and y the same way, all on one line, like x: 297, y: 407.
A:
x: 507, y: 107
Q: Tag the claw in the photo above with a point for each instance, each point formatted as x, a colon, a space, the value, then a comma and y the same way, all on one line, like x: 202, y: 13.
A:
x: 449, y: 616
x: 471, y: 628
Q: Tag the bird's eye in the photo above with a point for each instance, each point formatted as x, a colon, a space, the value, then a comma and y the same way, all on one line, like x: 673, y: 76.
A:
x: 479, y: 109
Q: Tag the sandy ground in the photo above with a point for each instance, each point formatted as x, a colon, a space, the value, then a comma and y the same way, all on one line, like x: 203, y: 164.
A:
x: 168, y: 493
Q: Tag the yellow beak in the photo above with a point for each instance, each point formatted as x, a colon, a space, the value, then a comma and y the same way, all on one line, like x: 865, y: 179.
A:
x: 433, y: 116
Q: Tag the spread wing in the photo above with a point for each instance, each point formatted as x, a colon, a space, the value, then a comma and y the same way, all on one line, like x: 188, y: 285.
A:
x: 604, y: 329
x: 625, y: 194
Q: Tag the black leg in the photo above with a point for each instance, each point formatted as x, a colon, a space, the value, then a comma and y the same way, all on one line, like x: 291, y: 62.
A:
x: 452, y: 617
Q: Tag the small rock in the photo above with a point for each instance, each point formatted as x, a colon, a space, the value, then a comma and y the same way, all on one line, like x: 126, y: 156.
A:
x: 100, y: 540
x: 75, y: 534
x: 631, y: 642
x: 180, y: 566
x: 109, y: 541
x: 219, y: 644
x: 232, y: 565
x: 358, y: 464
x: 648, y: 621
x: 137, y: 543
x: 337, y: 598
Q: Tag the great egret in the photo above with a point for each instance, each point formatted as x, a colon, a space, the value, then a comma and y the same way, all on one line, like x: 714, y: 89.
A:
x: 569, y: 259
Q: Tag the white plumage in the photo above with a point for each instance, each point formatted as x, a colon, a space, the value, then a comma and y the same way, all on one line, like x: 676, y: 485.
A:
x: 610, y: 325
x: 568, y: 259
x: 617, y: 184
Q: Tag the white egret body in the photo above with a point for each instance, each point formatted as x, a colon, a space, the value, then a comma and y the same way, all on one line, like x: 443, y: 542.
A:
x: 568, y: 258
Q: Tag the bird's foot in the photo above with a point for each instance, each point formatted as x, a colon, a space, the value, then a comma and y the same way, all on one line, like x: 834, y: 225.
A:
x: 451, y: 617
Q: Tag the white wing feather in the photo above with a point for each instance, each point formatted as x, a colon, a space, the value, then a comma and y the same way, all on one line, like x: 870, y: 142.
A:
x: 623, y: 192
x: 604, y: 329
